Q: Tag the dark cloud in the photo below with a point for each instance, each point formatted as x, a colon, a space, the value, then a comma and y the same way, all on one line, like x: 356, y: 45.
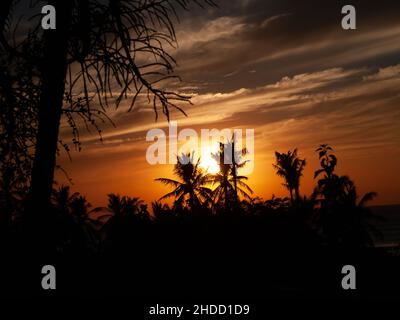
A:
x: 279, y: 38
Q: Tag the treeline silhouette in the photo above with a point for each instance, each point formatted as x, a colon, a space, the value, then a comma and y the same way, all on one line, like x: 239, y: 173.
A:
x: 332, y: 215
x: 215, y: 233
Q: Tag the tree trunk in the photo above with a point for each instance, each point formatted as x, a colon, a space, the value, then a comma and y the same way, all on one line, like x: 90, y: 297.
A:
x: 192, y: 204
x: 291, y: 196
x: 234, y: 173
x: 53, y: 70
x: 297, y: 192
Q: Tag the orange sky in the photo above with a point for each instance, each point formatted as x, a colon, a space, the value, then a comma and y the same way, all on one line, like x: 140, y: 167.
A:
x: 258, y: 65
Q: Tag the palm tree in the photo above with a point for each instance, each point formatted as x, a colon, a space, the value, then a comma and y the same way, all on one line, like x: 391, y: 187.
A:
x: 62, y: 199
x: 191, y: 188
x: 121, y: 207
x: 332, y: 188
x: 343, y: 218
x: 361, y: 229
x: 74, y: 211
x: 81, y: 211
x: 124, y: 213
x: 230, y: 184
x: 161, y: 210
x: 290, y: 167
x: 351, y: 218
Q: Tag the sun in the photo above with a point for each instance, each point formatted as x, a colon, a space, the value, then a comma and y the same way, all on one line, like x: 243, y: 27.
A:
x: 209, y: 164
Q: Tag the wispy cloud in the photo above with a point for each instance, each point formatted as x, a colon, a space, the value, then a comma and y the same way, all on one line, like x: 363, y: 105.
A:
x: 353, y: 98
x: 270, y: 20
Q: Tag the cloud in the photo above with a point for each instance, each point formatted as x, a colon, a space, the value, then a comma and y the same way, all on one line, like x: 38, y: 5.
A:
x: 221, y: 27
x: 335, y: 95
x: 385, y: 73
x: 283, y: 38
x: 270, y: 20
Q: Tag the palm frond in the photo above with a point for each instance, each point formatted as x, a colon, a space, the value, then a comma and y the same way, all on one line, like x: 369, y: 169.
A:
x: 167, y: 181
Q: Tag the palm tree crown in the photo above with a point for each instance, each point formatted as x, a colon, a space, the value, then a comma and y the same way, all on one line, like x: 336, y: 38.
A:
x: 190, y: 190
x: 290, y: 167
x: 229, y: 183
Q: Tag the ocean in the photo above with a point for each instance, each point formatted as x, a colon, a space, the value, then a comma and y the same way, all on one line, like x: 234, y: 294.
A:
x: 388, y: 223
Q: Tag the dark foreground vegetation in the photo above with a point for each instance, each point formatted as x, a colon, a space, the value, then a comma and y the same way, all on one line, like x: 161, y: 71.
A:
x: 214, y: 241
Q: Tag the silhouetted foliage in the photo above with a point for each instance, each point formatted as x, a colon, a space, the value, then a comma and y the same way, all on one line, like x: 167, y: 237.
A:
x: 198, y: 236
x: 229, y: 184
x: 76, y: 226
x: 343, y: 220
x: 333, y: 215
x: 100, y: 53
x: 290, y: 168
x: 191, y: 191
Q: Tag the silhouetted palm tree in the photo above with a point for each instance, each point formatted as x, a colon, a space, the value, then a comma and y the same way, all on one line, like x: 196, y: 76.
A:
x: 348, y: 220
x: 332, y: 188
x: 74, y: 213
x: 62, y: 199
x: 81, y: 211
x: 192, y: 185
x: 124, y: 213
x: 225, y: 190
x: 344, y: 219
x: 290, y: 167
x: 229, y: 183
x: 360, y: 232
x: 122, y: 206
x: 161, y: 210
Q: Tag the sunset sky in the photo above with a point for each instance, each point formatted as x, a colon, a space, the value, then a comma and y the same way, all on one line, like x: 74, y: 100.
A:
x: 284, y: 68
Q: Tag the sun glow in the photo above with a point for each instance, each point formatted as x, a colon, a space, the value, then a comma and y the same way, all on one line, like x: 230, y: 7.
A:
x: 208, y: 163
